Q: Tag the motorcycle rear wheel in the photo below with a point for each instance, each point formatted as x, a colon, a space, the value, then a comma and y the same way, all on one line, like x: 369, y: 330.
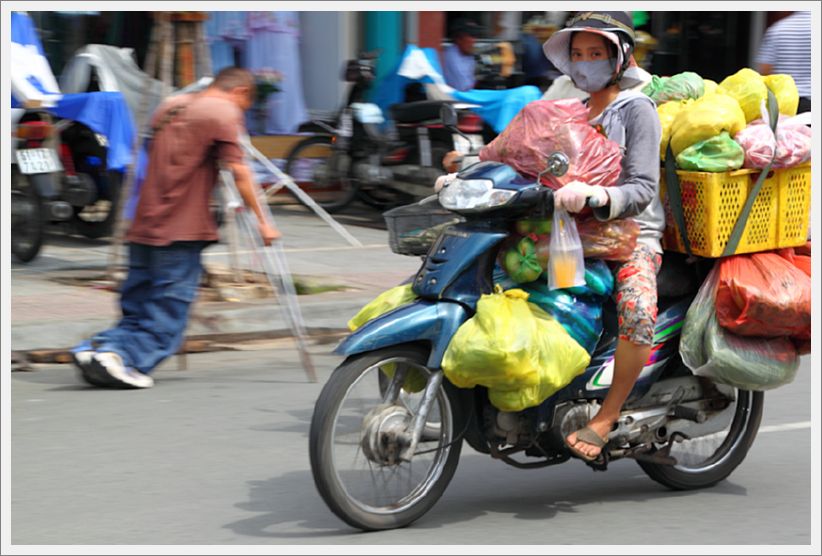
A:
x: 329, y: 184
x: 704, y: 461
x: 28, y: 224
x: 366, y: 493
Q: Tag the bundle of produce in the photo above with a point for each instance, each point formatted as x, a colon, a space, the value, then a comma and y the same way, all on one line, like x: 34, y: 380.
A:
x: 682, y: 86
x: 749, y: 90
x: 717, y: 154
x: 544, y: 127
x: 784, y: 89
x: 764, y: 295
x: 705, y: 118
x: 516, y: 350
x: 792, y: 142
x: 742, y: 362
x: 667, y: 114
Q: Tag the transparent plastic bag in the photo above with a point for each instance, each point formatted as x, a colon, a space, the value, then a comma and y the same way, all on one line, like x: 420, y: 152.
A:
x: 611, y: 240
x: 516, y: 350
x: 681, y: 86
x: 566, y: 263
x: 712, y: 352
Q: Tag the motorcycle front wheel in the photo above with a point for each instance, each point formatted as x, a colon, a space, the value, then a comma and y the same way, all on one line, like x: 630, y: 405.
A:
x: 704, y: 461
x: 27, y: 219
x: 356, y: 436
x: 322, y: 172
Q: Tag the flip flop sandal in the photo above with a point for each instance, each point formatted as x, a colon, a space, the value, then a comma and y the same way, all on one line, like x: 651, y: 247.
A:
x: 588, y: 436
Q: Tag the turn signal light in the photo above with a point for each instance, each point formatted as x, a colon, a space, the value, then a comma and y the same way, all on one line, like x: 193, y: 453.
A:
x: 34, y: 130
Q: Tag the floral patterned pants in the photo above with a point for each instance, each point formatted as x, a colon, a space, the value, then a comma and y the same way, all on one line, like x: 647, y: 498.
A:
x: 636, y: 295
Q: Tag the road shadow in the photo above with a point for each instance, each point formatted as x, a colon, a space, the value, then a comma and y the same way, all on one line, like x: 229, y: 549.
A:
x: 567, y: 492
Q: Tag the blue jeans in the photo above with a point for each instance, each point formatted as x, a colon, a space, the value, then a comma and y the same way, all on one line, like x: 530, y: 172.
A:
x: 155, y: 299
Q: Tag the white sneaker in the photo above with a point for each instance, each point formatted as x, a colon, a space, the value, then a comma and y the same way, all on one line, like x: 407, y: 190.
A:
x: 108, y: 366
x: 82, y: 360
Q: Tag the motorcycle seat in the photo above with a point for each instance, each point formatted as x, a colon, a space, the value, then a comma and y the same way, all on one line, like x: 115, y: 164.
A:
x: 419, y: 111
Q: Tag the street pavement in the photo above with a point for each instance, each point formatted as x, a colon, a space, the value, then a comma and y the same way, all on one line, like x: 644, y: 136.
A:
x: 217, y: 454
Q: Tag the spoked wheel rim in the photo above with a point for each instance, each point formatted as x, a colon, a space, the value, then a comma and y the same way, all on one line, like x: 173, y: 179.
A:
x: 706, y: 453
x: 363, y: 419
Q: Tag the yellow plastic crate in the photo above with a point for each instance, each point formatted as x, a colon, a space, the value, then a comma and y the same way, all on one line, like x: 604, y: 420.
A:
x: 712, y: 201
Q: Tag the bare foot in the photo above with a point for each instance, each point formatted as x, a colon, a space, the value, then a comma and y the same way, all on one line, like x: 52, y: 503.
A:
x: 601, y: 428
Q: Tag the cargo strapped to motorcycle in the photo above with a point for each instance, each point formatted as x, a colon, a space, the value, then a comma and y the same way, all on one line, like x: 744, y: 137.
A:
x: 675, y: 191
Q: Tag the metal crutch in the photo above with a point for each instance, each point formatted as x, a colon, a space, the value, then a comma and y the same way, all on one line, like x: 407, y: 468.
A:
x: 275, y: 266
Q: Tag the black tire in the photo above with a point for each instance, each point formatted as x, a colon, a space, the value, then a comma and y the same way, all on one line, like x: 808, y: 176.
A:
x: 727, y: 457
x: 334, y: 190
x: 89, y: 222
x: 28, y: 220
x: 337, y: 485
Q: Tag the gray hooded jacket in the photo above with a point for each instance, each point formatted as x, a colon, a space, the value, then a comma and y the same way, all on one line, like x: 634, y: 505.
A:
x: 631, y: 121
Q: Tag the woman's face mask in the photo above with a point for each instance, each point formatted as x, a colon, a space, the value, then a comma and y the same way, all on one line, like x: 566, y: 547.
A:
x: 592, y: 76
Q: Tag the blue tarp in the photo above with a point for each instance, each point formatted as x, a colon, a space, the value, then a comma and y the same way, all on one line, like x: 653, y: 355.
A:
x: 106, y: 114
x: 497, y: 107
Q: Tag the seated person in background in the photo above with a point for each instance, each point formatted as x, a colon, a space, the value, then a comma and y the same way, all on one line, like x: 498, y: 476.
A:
x: 458, y: 58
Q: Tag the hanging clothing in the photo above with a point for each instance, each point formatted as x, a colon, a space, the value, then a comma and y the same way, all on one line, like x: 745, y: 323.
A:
x: 225, y: 32
x: 274, y: 45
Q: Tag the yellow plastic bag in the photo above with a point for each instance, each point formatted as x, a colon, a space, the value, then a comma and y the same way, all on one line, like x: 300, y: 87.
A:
x: 667, y: 112
x: 516, y: 350
x: 704, y: 118
x: 386, y: 301
x: 710, y: 87
x: 784, y: 89
x: 749, y: 90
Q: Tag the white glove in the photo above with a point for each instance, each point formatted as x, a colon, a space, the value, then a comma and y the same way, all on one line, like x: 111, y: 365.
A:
x: 442, y: 181
x: 572, y: 196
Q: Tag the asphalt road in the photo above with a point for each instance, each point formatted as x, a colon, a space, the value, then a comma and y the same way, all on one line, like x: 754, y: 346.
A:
x: 218, y: 455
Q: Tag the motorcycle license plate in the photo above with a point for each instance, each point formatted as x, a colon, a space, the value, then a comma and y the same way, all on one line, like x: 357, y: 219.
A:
x: 38, y: 161
x: 462, y: 146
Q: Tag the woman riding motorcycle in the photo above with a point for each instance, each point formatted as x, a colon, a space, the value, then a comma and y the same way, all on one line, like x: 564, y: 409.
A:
x: 595, y: 51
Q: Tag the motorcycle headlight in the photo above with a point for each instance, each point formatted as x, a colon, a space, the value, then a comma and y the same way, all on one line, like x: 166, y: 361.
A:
x: 473, y: 195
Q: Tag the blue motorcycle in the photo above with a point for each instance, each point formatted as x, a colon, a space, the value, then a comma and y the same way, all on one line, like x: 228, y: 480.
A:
x: 382, y: 456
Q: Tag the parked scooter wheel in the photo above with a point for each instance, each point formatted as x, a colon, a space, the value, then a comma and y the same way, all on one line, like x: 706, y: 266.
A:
x: 27, y: 219
x: 704, y: 461
x: 356, y: 437
x: 322, y: 172
x: 97, y: 220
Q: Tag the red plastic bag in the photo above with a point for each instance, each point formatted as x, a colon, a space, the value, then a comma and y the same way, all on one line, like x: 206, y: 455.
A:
x: 764, y: 295
x: 547, y: 126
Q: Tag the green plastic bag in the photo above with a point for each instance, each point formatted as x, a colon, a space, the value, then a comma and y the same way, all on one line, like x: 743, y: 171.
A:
x: 682, y: 86
x: 717, y: 154
x: 749, y: 363
x: 749, y: 90
x: 386, y: 301
x: 515, y: 349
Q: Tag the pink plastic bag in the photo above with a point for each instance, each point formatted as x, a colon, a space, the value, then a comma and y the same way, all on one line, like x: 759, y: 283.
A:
x: 792, y: 142
x: 547, y: 126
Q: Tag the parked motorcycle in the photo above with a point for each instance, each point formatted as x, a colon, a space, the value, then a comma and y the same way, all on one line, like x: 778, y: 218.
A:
x: 355, y: 156
x: 381, y: 457
x: 59, y: 174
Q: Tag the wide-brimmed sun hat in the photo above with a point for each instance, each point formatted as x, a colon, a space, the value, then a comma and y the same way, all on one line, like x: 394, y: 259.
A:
x: 616, y: 27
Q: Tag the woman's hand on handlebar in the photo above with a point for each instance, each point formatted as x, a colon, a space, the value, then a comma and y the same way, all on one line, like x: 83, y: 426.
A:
x: 575, y: 195
x: 451, y: 161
